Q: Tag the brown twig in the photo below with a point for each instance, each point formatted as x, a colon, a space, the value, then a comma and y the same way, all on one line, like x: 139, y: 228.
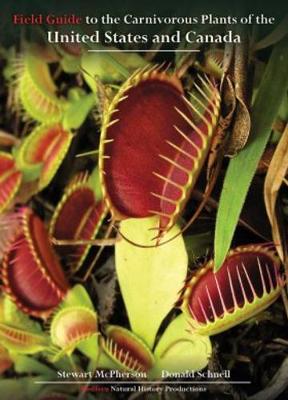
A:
x: 277, y: 385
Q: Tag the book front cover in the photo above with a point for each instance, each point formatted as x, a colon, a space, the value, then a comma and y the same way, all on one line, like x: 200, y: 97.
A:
x: 143, y: 201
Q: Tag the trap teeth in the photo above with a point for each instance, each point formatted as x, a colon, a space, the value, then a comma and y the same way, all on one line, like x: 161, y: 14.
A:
x: 154, y: 144
x: 37, y: 91
x: 72, y: 325
x: 78, y: 216
x: 127, y: 350
x: 31, y: 273
x: 10, y: 179
x: 42, y: 151
x: 247, y: 283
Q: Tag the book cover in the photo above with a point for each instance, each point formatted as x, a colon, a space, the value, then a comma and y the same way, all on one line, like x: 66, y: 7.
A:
x: 143, y: 201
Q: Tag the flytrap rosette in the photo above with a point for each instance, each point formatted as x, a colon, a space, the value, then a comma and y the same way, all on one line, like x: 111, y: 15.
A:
x: 36, y: 91
x: 153, y: 145
x: 78, y: 216
x: 31, y: 273
x: 126, y: 350
x: 10, y: 179
x: 248, y: 282
x: 42, y: 152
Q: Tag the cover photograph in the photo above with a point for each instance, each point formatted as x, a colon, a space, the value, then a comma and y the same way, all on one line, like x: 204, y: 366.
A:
x: 143, y: 200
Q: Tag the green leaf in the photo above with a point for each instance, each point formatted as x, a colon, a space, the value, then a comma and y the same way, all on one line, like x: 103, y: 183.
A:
x: 242, y: 168
x: 42, y: 152
x: 20, y: 341
x: 90, y: 347
x: 16, y: 318
x: 109, y: 67
x: 106, y: 362
x: 95, y: 183
x: 77, y: 111
x: 77, y: 296
x: 179, y: 349
x: 30, y: 172
x: 29, y: 365
x: 19, y: 389
x: 38, y: 92
x: 149, y: 278
x: 70, y: 64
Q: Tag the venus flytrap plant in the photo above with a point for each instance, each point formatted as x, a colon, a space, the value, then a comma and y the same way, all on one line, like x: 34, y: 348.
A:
x: 31, y: 272
x: 166, y: 148
x: 19, y: 389
x: 31, y: 369
x: 5, y: 360
x: 126, y: 350
x: 40, y: 154
x: 70, y: 57
x: 74, y: 325
x: 248, y: 282
x: 18, y: 333
x: 158, y: 273
x: 37, y: 91
x: 77, y: 217
x: 109, y: 67
x: 18, y: 340
x: 154, y: 143
x: 80, y: 104
x: 10, y: 180
x: 211, y: 62
x: 36, y: 159
x: 178, y: 350
x: 36, y: 368
x: 25, y: 364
